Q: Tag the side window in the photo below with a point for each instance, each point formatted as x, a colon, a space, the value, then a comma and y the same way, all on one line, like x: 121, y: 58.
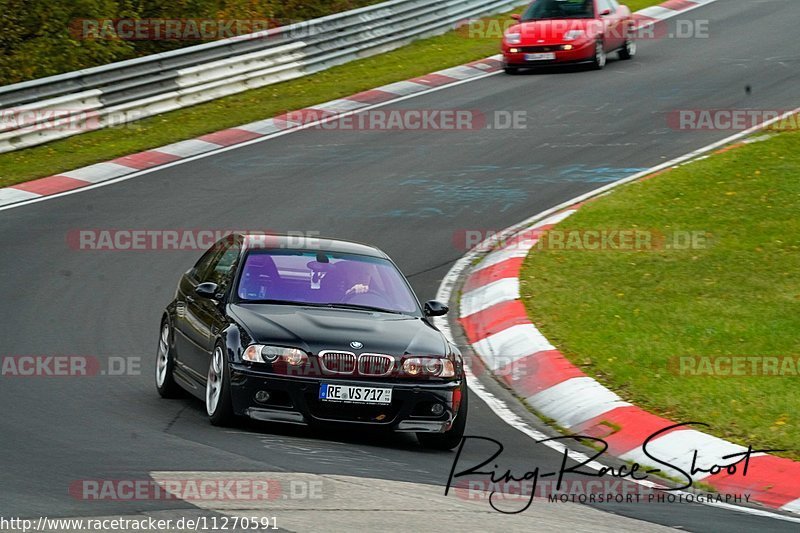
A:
x: 603, y: 5
x: 203, y: 265
x: 222, y: 268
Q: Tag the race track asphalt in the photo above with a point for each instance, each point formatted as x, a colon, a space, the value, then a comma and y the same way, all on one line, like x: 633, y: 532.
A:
x: 410, y: 193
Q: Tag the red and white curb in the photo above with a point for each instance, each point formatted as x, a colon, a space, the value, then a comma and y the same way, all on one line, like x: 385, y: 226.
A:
x: 496, y: 324
x: 288, y: 122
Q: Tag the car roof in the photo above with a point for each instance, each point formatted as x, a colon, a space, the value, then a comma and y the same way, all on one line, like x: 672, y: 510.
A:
x: 312, y: 243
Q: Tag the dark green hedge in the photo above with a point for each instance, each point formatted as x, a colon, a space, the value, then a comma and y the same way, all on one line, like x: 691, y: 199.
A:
x: 36, y: 41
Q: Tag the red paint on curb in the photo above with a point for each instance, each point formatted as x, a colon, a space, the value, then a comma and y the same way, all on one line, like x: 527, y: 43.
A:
x: 374, y: 96
x: 623, y: 428
x: 534, y: 373
x: 773, y: 481
x: 507, y: 269
x: 301, y: 117
x: 230, y: 137
x: 494, y: 319
x: 143, y: 160
x: 433, y: 80
x: 642, y: 20
x: 487, y: 65
x: 51, y: 185
x: 678, y: 5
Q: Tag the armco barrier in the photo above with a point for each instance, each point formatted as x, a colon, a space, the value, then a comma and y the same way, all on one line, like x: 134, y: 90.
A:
x: 131, y: 90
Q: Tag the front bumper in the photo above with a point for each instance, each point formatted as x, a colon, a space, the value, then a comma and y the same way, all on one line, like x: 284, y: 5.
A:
x: 295, y: 400
x: 581, y: 53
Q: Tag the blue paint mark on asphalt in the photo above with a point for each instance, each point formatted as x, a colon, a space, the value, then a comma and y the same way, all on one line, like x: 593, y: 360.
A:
x: 490, y: 187
x: 596, y: 175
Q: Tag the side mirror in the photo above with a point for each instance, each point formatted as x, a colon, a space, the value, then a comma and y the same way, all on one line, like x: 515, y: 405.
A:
x: 207, y: 290
x: 605, y: 12
x: 516, y: 16
x: 434, y: 308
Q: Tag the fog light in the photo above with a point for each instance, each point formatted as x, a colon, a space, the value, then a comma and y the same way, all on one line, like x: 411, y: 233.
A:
x: 262, y: 396
x: 513, y: 50
x: 437, y: 409
x: 567, y: 47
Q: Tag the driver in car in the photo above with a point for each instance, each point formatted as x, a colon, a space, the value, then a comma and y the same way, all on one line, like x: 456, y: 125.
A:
x: 359, y: 276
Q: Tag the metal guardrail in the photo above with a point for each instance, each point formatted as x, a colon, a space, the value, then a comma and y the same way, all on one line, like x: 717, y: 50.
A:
x: 60, y: 106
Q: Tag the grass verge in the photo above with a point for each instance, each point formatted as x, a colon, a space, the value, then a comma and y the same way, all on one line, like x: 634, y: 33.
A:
x: 627, y: 317
x: 419, y: 58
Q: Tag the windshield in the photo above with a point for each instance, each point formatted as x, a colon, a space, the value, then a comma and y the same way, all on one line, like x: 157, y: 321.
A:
x: 325, y: 279
x: 559, y: 9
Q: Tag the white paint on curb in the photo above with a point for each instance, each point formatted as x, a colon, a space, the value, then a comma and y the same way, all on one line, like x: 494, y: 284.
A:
x: 8, y: 195
x: 503, y: 290
x: 504, y: 254
x: 188, y: 148
x: 672, y: 449
x: 575, y: 401
x: 99, y: 172
x: 511, y: 344
x: 655, y: 12
x: 792, y: 507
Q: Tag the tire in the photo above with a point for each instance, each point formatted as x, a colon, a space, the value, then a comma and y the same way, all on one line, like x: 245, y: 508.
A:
x: 165, y: 364
x: 511, y: 70
x: 451, y: 438
x: 600, y: 58
x: 219, y: 405
x: 628, y: 50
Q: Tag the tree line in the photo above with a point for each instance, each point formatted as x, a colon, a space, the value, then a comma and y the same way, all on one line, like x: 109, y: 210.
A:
x: 47, y: 37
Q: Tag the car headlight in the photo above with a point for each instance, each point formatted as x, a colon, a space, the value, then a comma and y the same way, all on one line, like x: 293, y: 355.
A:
x: 259, y: 353
x: 513, y: 38
x: 573, y: 35
x: 429, y: 367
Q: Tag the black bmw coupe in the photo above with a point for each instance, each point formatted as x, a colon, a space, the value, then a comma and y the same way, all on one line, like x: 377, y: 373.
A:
x: 320, y: 332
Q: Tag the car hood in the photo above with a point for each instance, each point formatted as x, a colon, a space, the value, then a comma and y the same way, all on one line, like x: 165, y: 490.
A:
x: 542, y: 32
x: 316, y: 329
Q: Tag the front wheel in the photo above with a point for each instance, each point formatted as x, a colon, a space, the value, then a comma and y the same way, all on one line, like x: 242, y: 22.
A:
x: 452, y: 437
x: 218, y: 390
x: 511, y: 70
x: 600, y: 58
x: 165, y: 364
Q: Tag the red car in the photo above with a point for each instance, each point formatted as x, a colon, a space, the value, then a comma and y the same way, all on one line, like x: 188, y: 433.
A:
x: 553, y: 32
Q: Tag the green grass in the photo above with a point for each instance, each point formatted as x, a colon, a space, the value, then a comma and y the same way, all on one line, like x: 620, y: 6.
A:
x: 416, y: 59
x: 624, y: 316
x: 636, y: 5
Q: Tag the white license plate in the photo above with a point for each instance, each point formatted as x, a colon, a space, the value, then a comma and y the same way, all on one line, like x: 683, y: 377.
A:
x: 354, y: 394
x: 543, y: 56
